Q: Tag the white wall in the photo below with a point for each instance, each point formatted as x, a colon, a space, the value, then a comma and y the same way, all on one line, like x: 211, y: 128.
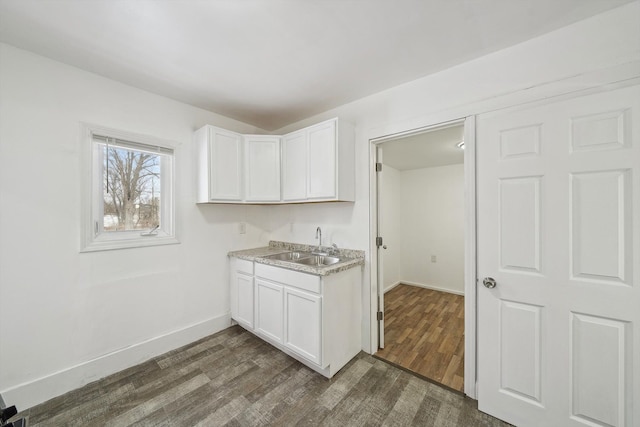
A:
x: 432, y: 223
x: 69, y: 317
x: 423, y: 215
x: 392, y: 207
x: 587, y: 54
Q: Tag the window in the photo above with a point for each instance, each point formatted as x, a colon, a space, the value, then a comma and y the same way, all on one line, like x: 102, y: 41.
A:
x: 128, y: 190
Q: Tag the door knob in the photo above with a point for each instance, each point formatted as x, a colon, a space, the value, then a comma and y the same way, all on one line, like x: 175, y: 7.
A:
x: 489, y: 282
x: 384, y: 247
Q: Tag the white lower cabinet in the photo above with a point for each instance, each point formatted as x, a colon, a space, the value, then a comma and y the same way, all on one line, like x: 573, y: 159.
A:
x: 242, y: 292
x: 315, y: 319
x: 269, y: 313
x: 303, y: 324
x: 245, y: 297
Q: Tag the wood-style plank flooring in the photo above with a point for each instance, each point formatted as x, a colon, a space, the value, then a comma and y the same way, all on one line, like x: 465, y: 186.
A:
x: 424, y: 332
x: 233, y: 378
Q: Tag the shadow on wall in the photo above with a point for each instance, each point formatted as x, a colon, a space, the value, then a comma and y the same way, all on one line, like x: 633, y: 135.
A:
x: 246, y: 226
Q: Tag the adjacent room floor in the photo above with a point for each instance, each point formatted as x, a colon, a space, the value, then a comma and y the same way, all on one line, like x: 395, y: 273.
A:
x: 424, y: 333
x: 233, y: 378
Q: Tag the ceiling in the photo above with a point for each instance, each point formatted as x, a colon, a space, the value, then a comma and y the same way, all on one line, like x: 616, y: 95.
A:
x: 270, y: 63
x: 425, y: 150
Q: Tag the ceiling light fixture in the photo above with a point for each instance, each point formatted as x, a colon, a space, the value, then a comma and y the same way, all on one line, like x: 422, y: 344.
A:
x: 460, y: 145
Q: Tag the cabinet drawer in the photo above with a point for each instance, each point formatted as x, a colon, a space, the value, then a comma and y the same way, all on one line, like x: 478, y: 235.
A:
x: 242, y: 265
x: 307, y: 282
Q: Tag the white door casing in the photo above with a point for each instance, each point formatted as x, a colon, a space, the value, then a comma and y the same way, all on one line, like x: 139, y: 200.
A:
x: 380, y: 253
x: 559, y: 231
x: 469, y: 244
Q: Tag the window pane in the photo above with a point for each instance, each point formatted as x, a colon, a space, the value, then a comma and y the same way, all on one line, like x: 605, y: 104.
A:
x: 131, y: 189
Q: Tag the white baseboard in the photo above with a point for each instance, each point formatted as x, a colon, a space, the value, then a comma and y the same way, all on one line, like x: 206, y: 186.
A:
x: 392, y: 286
x: 34, y: 392
x: 422, y: 285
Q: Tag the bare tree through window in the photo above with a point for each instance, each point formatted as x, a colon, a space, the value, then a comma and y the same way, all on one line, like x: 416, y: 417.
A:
x: 131, y: 189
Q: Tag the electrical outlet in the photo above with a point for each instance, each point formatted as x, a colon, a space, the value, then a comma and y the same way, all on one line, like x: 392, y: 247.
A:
x: 242, y: 228
x: 433, y: 258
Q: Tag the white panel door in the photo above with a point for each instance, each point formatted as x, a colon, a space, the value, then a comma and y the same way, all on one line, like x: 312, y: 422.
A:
x: 322, y: 161
x: 294, y: 166
x: 559, y: 231
x: 303, y: 324
x: 225, y: 165
x: 269, y: 310
x: 262, y: 165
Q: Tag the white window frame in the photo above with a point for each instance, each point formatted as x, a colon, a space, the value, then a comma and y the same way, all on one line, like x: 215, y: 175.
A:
x: 93, y: 238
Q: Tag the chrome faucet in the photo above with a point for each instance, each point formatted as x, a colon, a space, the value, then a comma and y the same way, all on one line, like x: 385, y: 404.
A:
x: 319, y: 250
x: 319, y: 236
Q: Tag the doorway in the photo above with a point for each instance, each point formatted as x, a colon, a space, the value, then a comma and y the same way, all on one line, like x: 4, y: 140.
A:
x: 423, y: 261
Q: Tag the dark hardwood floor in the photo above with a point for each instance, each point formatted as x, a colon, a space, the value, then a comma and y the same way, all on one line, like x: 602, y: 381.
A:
x: 424, y: 332
x: 233, y: 378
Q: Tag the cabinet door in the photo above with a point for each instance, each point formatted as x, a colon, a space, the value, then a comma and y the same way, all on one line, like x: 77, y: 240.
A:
x: 225, y: 165
x: 321, y: 142
x: 269, y: 322
x: 303, y: 324
x: 262, y: 165
x: 294, y: 166
x: 242, y: 299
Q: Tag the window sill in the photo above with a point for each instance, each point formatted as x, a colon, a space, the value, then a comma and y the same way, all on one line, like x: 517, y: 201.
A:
x: 127, y: 242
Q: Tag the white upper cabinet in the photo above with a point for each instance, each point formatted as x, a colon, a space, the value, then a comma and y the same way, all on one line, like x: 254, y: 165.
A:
x: 219, y: 160
x: 322, y: 161
x: 317, y: 162
x: 262, y: 168
x: 294, y: 166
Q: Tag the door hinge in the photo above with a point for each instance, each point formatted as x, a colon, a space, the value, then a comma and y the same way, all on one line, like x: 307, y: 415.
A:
x: 378, y: 167
x: 380, y: 315
x: 378, y: 241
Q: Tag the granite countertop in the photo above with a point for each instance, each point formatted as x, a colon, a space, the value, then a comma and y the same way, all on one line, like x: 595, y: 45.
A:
x: 351, y: 258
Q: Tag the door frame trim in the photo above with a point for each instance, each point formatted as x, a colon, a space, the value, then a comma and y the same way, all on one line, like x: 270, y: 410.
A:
x: 470, y: 309
x: 470, y: 258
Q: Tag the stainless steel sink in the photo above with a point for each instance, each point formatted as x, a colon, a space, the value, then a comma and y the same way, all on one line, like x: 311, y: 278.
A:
x: 318, y: 260
x: 289, y: 256
x: 306, y: 258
